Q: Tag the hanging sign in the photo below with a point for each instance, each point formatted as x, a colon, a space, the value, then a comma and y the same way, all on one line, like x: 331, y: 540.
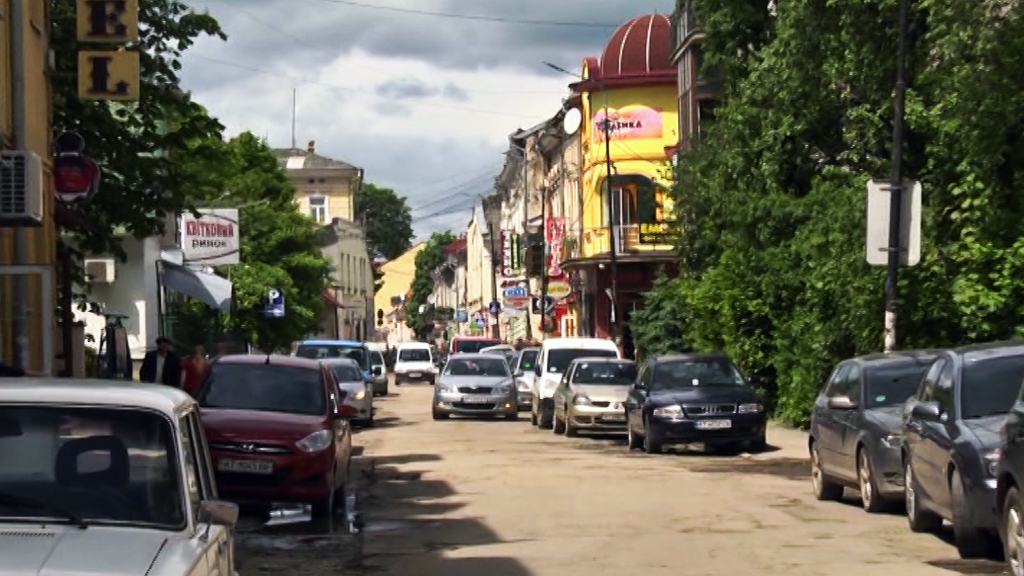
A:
x: 212, y: 238
x: 559, y: 290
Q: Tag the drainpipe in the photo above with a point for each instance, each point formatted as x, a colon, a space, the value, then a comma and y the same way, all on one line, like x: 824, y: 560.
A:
x: 20, y: 113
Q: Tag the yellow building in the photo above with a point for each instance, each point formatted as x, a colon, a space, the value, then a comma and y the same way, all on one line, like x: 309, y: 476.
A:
x: 324, y: 188
x: 630, y: 96
x: 396, y: 283
x: 39, y: 242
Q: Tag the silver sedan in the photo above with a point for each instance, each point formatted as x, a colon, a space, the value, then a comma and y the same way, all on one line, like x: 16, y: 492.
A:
x: 475, y: 385
x: 592, y: 395
x: 354, y: 390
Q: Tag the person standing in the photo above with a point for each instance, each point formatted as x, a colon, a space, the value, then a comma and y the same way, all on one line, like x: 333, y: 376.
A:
x: 193, y: 369
x: 161, y: 366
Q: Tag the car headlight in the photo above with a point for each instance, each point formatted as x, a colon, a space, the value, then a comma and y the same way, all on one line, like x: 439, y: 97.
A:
x: 360, y: 395
x: 752, y: 408
x: 893, y: 441
x: 317, y: 441
x: 581, y: 400
x: 669, y: 411
x: 992, y: 462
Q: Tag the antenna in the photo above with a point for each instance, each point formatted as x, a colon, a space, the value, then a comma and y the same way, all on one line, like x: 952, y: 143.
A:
x: 294, y: 106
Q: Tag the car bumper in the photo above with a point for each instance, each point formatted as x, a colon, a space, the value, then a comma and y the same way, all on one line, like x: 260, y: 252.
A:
x: 684, y: 430
x: 364, y: 406
x: 299, y: 478
x: 887, y: 465
x: 415, y: 376
x: 594, y: 418
x: 479, y: 404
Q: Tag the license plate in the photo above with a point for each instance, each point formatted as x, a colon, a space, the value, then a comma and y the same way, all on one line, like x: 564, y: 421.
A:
x: 614, y: 418
x: 246, y: 466
x: 713, y: 424
x: 476, y: 400
x: 415, y: 374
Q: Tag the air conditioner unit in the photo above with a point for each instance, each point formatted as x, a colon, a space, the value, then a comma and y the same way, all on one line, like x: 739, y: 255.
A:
x: 21, y: 189
x: 100, y: 270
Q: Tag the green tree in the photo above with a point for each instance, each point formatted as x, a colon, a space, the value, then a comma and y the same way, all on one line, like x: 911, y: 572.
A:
x: 387, y: 219
x: 427, y: 260
x: 137, y: 144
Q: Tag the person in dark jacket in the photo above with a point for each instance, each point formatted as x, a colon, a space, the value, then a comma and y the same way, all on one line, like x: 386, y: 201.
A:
x: 161, y: 366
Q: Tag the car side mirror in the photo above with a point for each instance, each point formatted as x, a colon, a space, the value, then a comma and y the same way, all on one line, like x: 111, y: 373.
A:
x: 926, y: 411
x: 841, y: 403
x: 218, y: 513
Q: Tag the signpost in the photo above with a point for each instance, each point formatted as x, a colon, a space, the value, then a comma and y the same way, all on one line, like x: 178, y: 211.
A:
x: 108, y: 71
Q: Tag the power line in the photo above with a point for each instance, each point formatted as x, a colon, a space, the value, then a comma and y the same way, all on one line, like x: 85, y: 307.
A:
x: 476, y: 18
x: 468, y: 187
x: 447, y: 211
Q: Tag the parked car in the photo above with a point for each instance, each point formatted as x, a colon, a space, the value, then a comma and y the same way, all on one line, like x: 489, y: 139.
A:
x: 524, y: 375
x: 470, y: 344
x: 277, y: 431
x: 414, y: 363
x: 125, y: 463
x: 475, y: 385
x: 951, y: 441
x: 378, y: 370
x: 686, y: 398
x: 592, y: 395
x: 321, y: 349
x: 855, y: 436
x: 1009, y: 486
x: 555, y: 356
x: 353, y: 390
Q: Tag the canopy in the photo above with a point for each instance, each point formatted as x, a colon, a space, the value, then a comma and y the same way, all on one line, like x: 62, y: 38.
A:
x: 209, y: 288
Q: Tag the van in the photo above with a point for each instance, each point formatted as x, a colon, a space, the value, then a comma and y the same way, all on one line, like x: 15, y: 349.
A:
x: 555, y: 356
x: 414, y: 362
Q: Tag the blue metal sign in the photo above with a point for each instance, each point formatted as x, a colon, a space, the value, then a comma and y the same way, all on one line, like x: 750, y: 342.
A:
x: 461, y: 315
x: 275, y: 304
x: 481, y: 321
x: 494, y: 307
x: 516, y: 292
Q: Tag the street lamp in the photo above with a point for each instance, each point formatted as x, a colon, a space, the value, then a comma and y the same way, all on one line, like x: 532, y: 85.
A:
x: 609, y: 169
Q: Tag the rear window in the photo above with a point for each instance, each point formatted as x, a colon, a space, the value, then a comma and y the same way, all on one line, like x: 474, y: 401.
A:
x: 470, y: 346
x: 560, y: 358
x: 414, y: 355
x: 323, y: 351
x: 612, y: 373
x: 892, y: 384
x: 264, y: 388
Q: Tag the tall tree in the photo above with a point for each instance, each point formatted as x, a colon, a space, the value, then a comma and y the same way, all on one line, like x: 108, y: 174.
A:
x: 427, y: 261
x: 137, y: 144
x: 387, y: 218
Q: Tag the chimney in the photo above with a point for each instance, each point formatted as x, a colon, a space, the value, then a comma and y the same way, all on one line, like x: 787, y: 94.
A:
x: 311, y: 147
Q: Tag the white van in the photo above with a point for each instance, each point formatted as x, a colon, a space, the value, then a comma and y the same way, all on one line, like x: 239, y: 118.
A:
x: 414, y: 362
x: 555, y: 356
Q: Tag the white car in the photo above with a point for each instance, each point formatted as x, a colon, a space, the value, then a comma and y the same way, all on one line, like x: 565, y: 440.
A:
x: 354, y: 390
x: 108, y: 478
x: 414, y: 362
x: 555, y: 356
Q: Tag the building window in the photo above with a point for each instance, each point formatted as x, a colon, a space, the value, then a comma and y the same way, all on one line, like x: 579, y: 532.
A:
x: 318, y: 208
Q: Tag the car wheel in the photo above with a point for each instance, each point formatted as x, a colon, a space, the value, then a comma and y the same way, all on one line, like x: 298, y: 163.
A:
x: 398, y: 381
x: 632, y: 440
x: 870, y: 497
x: 1013, y: 531
x: 570, y: 430
x: 368, y: 423
x: 533, y: 413
x: 824, y: 489
x: 558, y: 424
x: 546, y: 418
x: 759, y: 444
x: 652, y: 445
x: 971, y: 541
x: 324, y: 509
x: 918, y: 519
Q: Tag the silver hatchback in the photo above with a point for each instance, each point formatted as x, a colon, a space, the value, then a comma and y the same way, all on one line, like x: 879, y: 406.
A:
x: 475, y: 385
x: 354, y: 390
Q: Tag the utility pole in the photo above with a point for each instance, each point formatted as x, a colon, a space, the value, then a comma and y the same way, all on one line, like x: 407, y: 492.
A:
x: 19, y: 303
x: 543, y: 257
x: 896, y: 187
x: 612, y: 213
x: 526, y: 223
x: 496, y: 328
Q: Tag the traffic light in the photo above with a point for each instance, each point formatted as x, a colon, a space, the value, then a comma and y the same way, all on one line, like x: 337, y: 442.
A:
x: 380, y: 317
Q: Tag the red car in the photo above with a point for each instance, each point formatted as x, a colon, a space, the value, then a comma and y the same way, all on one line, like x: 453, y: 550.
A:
x: 277, y: 432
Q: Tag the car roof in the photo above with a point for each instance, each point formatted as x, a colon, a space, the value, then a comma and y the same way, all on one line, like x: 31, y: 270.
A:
x: 692, y: 357
x: 898, y: 357
x: 475, y: 338
x: 473, y: 356
x: 989, y: 350
x: 591, y: 343
x: 327, y: 342
x: 276, y: 359
x: 93, y: 392
x: 602, y: 360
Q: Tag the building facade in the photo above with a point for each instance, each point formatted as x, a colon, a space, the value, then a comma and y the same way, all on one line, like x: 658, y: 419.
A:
x: 325, y: 189
x: 389, y: 301
x: 699, y: 89
x: 480, y: 274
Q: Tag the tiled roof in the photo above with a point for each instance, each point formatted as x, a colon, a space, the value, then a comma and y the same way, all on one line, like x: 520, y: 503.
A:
x: 310, y: 160
x: 455, y: 246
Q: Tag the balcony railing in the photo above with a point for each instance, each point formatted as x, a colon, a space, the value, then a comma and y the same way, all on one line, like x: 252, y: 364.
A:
x: 629, y: 238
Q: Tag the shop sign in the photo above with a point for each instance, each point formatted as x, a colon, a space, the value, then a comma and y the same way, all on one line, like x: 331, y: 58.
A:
x: 516, y: 297
x: 212, y: 238
x: 633, y: 122
x: 511, y: 260
x: 554, y: 236
x: 653, y: 207
x: 559, y: 290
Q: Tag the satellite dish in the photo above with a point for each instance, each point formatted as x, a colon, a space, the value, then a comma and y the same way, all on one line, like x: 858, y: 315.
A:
x: 572, y: 121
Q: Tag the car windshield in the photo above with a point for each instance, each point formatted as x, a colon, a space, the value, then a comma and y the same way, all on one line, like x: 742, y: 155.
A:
x: 476, y: 367
x: 690, y: 373
x: 614, y: 373
x: 347, y: 373
x: 527, y: 359
x: 323, y: 351
x: 990, y: 386
x: 414, y: 355
x: 892, y: 384
x: 560, y: 358
x: 376, y: 358
x: 471, y: 346
x: 264, y: 387
x: 86, y: 465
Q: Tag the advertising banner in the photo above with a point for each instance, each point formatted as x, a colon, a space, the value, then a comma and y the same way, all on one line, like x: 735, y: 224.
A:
x: 212, y: 238
x: 632, y: 122
x: 511, y: 259
x: 555, y: 234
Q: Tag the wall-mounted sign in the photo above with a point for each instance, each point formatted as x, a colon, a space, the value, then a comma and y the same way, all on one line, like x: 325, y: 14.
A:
x: 108, y: 21
x: 511, y: 259
x: 555, y: 233
x: 654, y: 205
x: 108, y: 71
x: 211, y: 239
x: 516, y: 297
x: 629, y: 123
x: 559, y: 290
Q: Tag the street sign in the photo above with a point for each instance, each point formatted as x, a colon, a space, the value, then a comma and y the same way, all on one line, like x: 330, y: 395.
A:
x: 877, y: 237
x: 494, y: 307
x: 461, y: 316
x: 108, y: 21
x: 516, y: 296
x: 481, y: 321
x: 549, y: 308
x: 275, y: 304
x: 108, y: 75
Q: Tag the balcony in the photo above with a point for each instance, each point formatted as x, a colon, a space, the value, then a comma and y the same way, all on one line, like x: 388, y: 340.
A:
x: 629, y: 239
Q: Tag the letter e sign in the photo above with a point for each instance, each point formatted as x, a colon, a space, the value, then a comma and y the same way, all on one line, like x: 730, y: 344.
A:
x: 108, y: 21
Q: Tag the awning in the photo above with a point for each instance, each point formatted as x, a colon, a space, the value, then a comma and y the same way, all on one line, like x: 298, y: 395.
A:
x: 209, y: 288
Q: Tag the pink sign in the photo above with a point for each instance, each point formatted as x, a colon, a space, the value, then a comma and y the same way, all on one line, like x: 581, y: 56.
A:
x: 629, y: 123
x: 555, y: 233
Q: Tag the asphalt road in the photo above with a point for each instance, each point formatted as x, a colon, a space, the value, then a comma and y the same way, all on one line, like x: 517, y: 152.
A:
x: 465, y: 497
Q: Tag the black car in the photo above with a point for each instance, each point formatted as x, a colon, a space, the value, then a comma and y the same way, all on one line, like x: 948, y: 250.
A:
x: 687, y: 398
x: 951, y: 441
x: 855, y: 436
x: 1009, y: 487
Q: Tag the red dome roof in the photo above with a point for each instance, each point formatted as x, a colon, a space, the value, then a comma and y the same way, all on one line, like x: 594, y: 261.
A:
x: 640, y: 47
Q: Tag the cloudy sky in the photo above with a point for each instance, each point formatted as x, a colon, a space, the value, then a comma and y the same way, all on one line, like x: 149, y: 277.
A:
x: 422, y: 94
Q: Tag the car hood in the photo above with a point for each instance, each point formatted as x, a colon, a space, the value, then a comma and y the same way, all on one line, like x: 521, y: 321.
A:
x: 602, y: 392
x: 705, y: 395
x: 475, y: 380
x: 988, y: 430
x: 30, y: 550
x: 241, y: 425
x: 888, y: 418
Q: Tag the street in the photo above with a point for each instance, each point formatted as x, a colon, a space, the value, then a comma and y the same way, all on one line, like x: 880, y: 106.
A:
x: 463, y: 497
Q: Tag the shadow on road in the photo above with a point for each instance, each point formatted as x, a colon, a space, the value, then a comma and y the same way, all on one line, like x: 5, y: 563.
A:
x: 789, y: 468
x: 390, y: 422
x: 412, y: 529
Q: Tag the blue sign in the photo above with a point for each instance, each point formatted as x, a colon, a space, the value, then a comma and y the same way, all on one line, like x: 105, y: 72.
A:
x: 494, y: 307
x: 275, y: 304
x: 461, y: 316
x: 481, y: 321
x: 516, y: 292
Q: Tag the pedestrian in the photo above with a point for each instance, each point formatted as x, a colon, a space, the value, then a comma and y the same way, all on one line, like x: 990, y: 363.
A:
x: 519, y: 345
x: 193, y: 370
x: 161, y: 366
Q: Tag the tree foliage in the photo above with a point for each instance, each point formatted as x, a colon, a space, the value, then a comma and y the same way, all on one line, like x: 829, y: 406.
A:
x: 427, y: 260
x: 139, y: 145
x: 772, y: 200
x: 387, y: 219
